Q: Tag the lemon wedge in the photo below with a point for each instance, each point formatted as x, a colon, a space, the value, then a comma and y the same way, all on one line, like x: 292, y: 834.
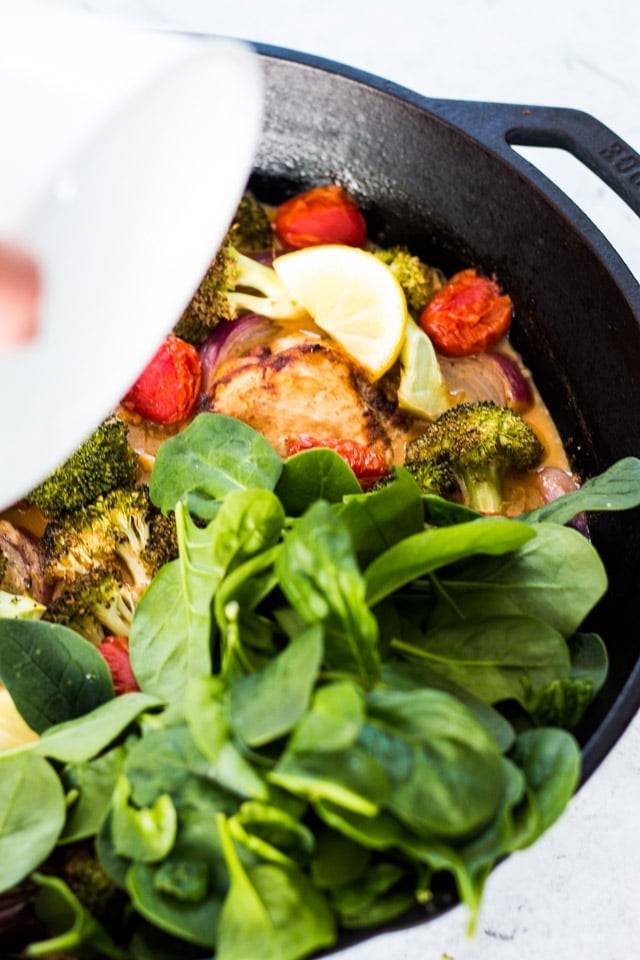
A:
x: 422, y: 390
x: 353, y: 297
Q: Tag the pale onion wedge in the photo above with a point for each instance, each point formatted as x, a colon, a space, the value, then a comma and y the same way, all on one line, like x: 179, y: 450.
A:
x: 422, y: 390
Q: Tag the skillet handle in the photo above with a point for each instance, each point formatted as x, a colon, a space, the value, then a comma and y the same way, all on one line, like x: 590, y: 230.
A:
x: 502, y: 125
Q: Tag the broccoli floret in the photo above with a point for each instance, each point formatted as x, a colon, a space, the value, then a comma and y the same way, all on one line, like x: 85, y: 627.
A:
x: 97, y: 605
x: 87, y: 879
x: 251, y: 229
x: 122, y: 526
x: 478, y: 442
x: 233, y: 284
x: 419, y: 282
x: 433, y: 477
x: 103, y: 462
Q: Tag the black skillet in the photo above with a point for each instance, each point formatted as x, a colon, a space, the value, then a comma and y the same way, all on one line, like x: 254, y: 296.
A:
x: 441, y: 176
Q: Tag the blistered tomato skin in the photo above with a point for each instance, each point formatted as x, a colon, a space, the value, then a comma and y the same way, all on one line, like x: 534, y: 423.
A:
x: 167, y: 390
x: 468, y: 315
x: 115, y: 651
x: 321, y: 215
x: 366, y: 463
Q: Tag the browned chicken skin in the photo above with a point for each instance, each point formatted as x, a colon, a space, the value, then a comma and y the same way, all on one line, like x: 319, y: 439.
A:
x: 301, y: 384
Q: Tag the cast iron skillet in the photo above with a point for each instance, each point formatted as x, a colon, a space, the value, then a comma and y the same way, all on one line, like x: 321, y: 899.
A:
x: 441, y: 177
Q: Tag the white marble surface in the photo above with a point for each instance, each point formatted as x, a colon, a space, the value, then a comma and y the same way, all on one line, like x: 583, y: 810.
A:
x: 575, y: 894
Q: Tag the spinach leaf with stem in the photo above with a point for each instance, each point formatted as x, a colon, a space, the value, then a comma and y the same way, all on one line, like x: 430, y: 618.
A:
x: 267, y: 704
x: 207, y: 714
x: 557, y: 577
x: 379, y: 519
x: 550, y: 760
x: 444, y: 767
x: 319, y: 574
x: 76, y: 740
x: 89, y: 788
x: 271, y: 911
x: 617, y: 488
x: 425, y: 552
x: 171, y: 633
x: 495, y: 658
x: 71, y: 925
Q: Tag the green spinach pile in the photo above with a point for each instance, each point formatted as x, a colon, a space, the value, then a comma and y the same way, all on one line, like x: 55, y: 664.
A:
x: 342, y: 696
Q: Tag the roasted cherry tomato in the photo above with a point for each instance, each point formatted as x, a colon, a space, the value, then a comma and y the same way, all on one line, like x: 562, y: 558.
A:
x: 168, y: 388
x: 468, y: 315
x: 115, y: 651
x: 320, y: 215
x: 367, y: 464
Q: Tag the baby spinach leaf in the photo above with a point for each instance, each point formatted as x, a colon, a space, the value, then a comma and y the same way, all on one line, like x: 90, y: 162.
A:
x: 404, y: 675
x: 561, y: 703
x: 557, y: 577
x: 213, y: 455
x: 495, y: 658
x: 444, y: 513
x: 444, y: 768
x: 375, y: 831
x: 316, y: 474
x: 71, y: 925
x: 247, y: 639
x: 471, y: 862
x: 550, y: 760
x: 89, y: 787
x: 32, y: 815
x: 52, y: 673
x: 270, y: 911
x: 167, y: 760
x: 81, y: 739
x: 161, y: 656
x: 170, y: 639
x: 319, y: 575
x: 267, y: 704
x: 380, y: 518
x: 422, y: 553
x: 353, y: 778
x: 142, y: 833
x: 617, y: 488
x: 183, y: 894
x: 337, y: 860
x: 589, y: 659
x: 249, y: 522
x: 333, y: 722
x: 385, y: 893
x: 207, y: 713
x: 272, y: 834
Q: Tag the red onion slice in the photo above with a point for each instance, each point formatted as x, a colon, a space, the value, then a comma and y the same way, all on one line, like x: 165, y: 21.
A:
x: 234, y: 338
x: 487, y: 376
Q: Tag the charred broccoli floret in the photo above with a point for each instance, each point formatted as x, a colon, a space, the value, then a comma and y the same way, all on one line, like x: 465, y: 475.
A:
x: 251, y: 229
x: 87, y: 879
x: 235, y: 283
x: 97, y: 605
x: 103, y: 462
x: 419, y: 282
x: 478, y: 443
x: 123, y: 526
